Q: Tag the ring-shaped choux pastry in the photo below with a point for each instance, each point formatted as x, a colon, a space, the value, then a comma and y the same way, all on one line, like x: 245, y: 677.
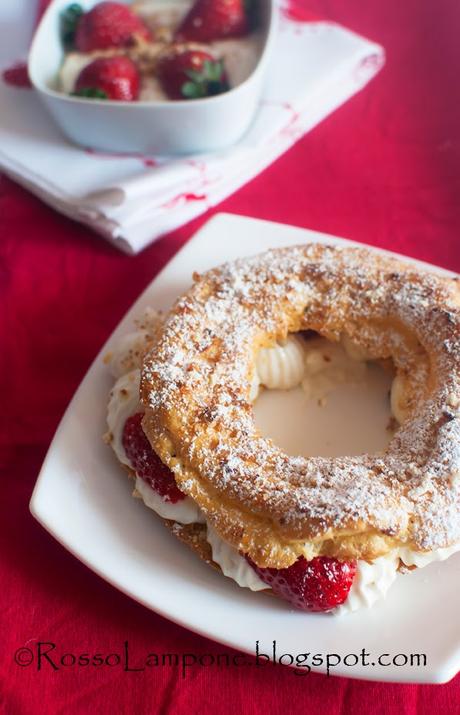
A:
x: 274, y: 507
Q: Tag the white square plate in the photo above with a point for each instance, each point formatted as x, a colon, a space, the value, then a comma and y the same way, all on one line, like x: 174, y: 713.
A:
x: 82, y: 498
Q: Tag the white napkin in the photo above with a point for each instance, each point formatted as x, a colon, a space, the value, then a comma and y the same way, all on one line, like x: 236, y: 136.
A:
x: 132, y: 200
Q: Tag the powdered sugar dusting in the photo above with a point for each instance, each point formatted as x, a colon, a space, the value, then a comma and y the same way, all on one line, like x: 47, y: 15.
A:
x: 196, y: 389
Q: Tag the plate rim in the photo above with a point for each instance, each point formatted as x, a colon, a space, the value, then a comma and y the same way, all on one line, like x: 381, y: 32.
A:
x: 451, y: 665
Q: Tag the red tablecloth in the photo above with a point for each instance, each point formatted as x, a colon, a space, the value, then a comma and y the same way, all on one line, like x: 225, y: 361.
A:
x: 383, y: 170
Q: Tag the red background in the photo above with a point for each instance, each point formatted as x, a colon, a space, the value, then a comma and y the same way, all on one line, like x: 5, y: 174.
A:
x: 383, y: 170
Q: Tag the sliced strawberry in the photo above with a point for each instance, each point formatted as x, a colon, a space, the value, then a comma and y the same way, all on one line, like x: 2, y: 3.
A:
x: 210, y: 20
x: 146, y: 463
x: 109, y: 78
x: 317, y: 585
x: 186, y: 73
x: 109, y: 24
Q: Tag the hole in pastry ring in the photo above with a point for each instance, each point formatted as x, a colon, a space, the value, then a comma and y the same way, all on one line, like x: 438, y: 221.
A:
x: 198, y: 416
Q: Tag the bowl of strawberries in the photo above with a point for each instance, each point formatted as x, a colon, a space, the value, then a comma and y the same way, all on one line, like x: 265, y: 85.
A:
x: 153, y: 76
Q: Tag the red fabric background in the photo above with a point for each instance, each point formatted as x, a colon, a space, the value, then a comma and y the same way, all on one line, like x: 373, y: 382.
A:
x: 383, y: 170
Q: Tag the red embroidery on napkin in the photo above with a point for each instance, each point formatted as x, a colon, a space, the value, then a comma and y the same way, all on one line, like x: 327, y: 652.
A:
x: 184, y: 198
x: 202, y: 169
x: 17, y: 75
x: 148, y: 161
x: 291, y: 127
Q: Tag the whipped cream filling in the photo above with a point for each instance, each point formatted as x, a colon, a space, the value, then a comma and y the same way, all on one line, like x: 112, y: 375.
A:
x: 317, y: 364
x: 373, y: 580
x: 185, y: 511
x: 232, y: 563
x: 283, y: 366
x: 123, y: 403
x: 371, y: 583
x: 409, y: 557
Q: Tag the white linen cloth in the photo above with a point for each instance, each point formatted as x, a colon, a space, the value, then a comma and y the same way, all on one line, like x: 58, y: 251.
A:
x: 132, y: 200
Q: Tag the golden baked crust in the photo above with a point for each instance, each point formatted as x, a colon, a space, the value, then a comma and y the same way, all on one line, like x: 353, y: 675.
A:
x: 194, y: 536
x: 198, y: 415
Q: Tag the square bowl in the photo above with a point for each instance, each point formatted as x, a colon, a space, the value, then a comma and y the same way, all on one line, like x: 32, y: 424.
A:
x: 154, y: 127
x: 82, y: 497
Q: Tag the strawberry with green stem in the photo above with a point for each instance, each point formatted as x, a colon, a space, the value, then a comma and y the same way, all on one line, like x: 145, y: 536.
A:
x: 190, y: 73
x: 115, y: 78
x: 106, y: 25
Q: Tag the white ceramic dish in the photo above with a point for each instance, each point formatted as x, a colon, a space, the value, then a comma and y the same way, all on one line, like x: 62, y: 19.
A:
x: 146, y: 127
x: 82, y: 497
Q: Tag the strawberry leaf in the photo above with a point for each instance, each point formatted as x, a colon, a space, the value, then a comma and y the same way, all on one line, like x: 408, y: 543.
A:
x: 192, y: 90
x: 195, y: 75
x: 207, y: 82
x: 90, y: 93
x: 213, y: 71
x: 69, y: 20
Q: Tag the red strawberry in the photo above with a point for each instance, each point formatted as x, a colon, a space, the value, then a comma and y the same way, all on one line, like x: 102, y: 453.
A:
x: 317, y: 585
x: 17, y: 75
x: 109, y: 78
x: 186, y: 73
x: 109, y: 24
x: 146, y: 463
x: 210, y: 20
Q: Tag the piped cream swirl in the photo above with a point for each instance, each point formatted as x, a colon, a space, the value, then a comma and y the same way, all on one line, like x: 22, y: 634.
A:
x: 282, y: 366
